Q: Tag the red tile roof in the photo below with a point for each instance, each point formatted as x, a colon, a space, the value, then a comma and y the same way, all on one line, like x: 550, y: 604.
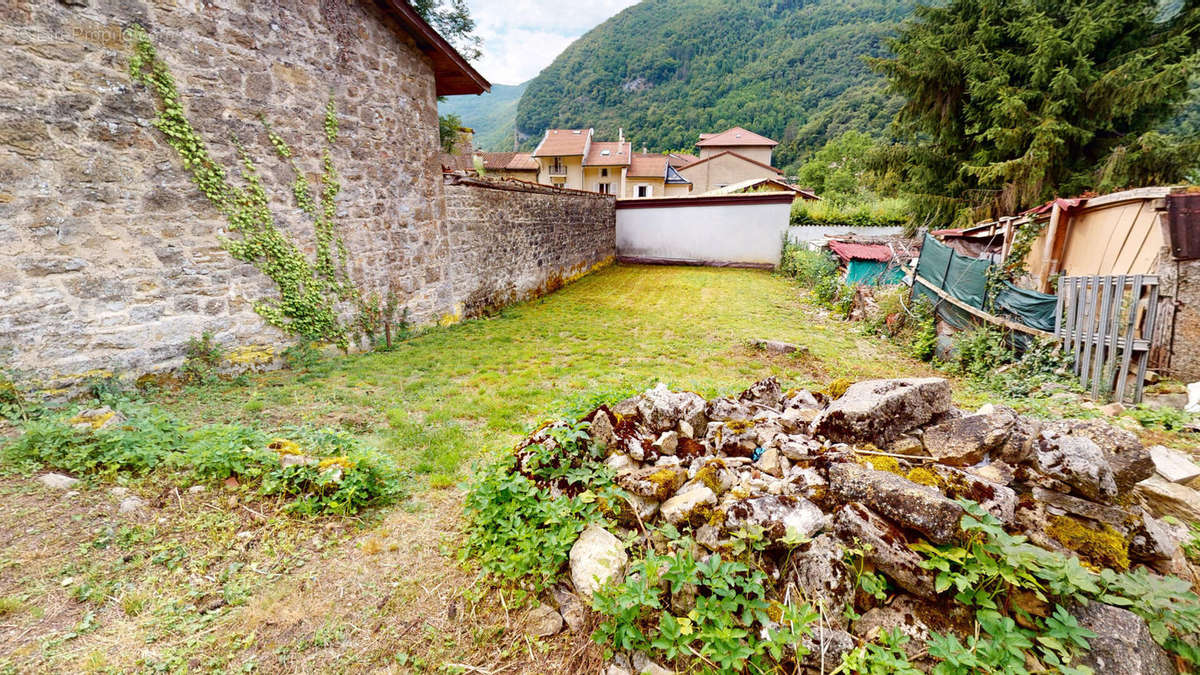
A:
x: 604, y: 153
x: 848, y: 251
x: 523, y: 161
x: 508, y: 161
x: 648, y: 166
x: 564, y: 143
x: 678, y: 159
x: 733, y: 154
x: 736, y: 136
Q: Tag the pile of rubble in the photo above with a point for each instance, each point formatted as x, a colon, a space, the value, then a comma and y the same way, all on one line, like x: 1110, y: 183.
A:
x: 879, y: 468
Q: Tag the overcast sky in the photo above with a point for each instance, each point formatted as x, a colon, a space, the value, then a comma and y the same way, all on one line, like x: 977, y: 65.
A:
x: 521, y: 37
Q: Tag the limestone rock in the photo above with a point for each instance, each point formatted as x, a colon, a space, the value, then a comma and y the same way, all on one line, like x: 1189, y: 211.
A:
x: 601, y: 429
x: 919, y: 507
x: 1128, y: 460
x: 619, y: 463
x: 722, y: 409
x: 1102, y: 513
x: 1122, y: 644
x: 777, y: 515
x: 1152, y: 541
x: 57, y: 481
x: 1173, y: 465
x: 1165, y: 498
x: 763, y: 394
x: 777, y: 347
x: 915, y: 618
x: 1019, y: 448
x: 968, y: 440
x: 769, y: 463
x: 572, y: 610
x: 657, y: 483
x: 826, y: 647
x: 289, y: 459
x: 667, y: 442
x: 97, y: 419
x: 879, y: 411
x: 1078, y: 462
x: 996, y: 498
x: 888, y: 549
x: 679, y: 509
x: 798, y: 449
x: 131, y: 505
x: 661, y: 409
x: 597, y: 557
x: 642, y: 665
x: 543, y: 621
x: 821, y: 575
x: 737, y: 438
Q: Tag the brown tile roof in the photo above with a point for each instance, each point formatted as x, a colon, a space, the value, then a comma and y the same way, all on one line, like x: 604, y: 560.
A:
x: 523, y: 161
x: 456, y: 162
x: 735, y: 137
x: 648, y: 166
x: 563, y: 143
x: 603, y: 153
x: 679, y: 159
x: 732, y: 154
x: 508, y: 161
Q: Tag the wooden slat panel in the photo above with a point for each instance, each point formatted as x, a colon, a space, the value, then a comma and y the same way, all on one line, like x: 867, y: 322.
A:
x: 1130, y: 329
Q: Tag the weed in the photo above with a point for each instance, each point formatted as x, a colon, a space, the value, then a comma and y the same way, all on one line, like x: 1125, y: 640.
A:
x: 302, y: 356
x: 11, y: 604
x: 202, y: 358
x: 1165, y: 418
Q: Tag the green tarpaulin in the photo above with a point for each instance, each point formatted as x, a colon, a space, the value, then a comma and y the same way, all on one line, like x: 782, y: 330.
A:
x: 872, y: 273
x: 965, y: 279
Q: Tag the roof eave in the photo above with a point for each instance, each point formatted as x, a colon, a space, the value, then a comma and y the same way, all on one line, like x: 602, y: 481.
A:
x: 452, y: 74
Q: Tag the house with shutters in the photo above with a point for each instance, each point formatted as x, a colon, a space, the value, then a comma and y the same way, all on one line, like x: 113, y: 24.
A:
x: 731, y: 157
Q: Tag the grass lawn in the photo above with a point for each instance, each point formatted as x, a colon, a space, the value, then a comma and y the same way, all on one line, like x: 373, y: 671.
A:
x: 216, y: 580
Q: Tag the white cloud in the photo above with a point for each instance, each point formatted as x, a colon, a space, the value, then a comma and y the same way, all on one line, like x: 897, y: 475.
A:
x: 521, y: 37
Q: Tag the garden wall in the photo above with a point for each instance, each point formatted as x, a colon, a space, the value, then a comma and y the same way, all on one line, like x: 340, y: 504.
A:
x: 513, y: 240
x: 113, y: 258
x: 730, y: 230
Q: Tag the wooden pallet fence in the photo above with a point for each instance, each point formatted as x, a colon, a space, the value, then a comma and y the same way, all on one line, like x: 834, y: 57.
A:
x: 1106, y: 323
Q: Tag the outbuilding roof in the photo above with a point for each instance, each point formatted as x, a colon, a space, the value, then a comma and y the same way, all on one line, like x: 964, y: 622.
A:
x: 736, y: 136
x: 648, y: 166
x: 848, y: 251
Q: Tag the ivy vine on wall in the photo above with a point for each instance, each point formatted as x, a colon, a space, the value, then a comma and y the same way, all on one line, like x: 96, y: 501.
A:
x: 308, y: 291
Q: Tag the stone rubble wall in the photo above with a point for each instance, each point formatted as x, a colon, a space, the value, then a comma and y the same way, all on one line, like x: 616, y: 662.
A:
x: 516, y: 241
x: 111, y: 256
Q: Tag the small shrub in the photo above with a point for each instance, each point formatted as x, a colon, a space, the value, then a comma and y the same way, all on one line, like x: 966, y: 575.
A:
x: 892, y: 212
x: 302, y: 356
x: 1165, y: 418
x: 202, y: 358
x: 807, y: 266
x: 342, y: 478
x: 12, y: 405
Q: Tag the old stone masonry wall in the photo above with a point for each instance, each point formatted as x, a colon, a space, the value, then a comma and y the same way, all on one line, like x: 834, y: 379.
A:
x: 111, y: 258
x: 513, y: 241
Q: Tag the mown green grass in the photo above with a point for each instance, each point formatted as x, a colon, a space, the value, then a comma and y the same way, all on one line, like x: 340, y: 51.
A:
x: 447, y: 396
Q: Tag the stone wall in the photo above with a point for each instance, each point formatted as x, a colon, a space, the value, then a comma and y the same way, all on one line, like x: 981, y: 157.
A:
x: 513, y: 241
x: 111, y: 256
x: 1181, y: 279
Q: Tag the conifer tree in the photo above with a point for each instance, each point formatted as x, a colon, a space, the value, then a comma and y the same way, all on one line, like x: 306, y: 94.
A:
x: 1010, y: 102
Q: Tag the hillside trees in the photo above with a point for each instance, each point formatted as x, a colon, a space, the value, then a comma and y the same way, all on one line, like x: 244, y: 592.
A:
x: 1009, y: 102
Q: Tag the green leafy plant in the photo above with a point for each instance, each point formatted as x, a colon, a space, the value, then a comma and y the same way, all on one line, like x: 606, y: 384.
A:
x: 308, y: 291
x: 805, y: 265
x: 336, y: 475
x: 1165, y: 418
x: 202, y: 358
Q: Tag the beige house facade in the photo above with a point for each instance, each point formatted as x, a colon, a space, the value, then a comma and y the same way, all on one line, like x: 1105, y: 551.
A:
x: 731, y: 157
x: 572, y: 158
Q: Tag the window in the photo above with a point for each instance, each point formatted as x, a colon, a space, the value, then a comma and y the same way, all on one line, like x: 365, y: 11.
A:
x: 604, y: 173
x: 605, y: 188
x: 643, y: 191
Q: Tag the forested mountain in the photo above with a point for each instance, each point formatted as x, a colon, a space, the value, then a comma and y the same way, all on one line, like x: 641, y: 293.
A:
x: 492, y: 115
x: 667, y: 70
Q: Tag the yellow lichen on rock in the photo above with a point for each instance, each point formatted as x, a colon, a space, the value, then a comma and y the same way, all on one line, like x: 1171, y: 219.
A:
x: 284, y: 446
x: 1103, y: 547
x: 251, y: 355
x: 923, y: 476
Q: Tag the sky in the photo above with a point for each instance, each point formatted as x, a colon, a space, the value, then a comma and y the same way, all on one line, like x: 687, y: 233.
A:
x: 521, y: 37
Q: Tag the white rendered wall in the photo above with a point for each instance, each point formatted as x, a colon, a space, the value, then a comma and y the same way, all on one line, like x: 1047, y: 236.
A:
x: 725, y: 234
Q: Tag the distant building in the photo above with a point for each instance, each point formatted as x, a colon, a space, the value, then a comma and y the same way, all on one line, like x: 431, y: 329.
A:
x: 651, y: 175
x: 729, y: 158
x: 571, y: 158
x: 518, y: 165
x: 765, y: 185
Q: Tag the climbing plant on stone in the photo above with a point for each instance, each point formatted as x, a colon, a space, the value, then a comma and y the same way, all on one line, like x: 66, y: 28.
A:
x: 308, y: 291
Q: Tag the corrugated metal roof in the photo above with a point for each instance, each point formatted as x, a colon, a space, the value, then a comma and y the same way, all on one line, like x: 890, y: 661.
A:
x: 848, y: 251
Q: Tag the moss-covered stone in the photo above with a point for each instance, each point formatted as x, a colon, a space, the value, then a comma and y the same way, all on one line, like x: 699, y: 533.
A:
x: 1101, y: 546
x: 923, y: 476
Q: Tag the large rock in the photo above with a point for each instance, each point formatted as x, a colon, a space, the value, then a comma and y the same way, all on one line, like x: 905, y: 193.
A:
x: 995, y: 497
x: 918, y: 507
x: 682, y: 507
x: 601, y: 428
x: 763, y: 394
x: 968, y: 440
x: 596, y: 558
x: 543, y: 621
x: 662, y: 409
x: 1152, y: 540
x: 826, y: 647
x: 886, y: 548
x: 1102, y: 513
x: 1173, y: 465
x: 656, y: 483
x: 736, y: 438
x: 1129, y: 461
x: 824, y: 582
x: 878, y: 411
x: 57, y: 481
x: 1122, y: 644
x: 777, y: 515
x: 1165, y: 498
x: 1078, y: 462
x: 918, y: 619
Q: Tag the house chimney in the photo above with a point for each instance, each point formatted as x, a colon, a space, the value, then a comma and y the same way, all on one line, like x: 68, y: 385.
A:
x: 621, y: 135
x: 645, y: 150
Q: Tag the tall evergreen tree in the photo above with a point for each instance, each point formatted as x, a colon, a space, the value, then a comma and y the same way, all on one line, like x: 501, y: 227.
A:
x: 1009, y: 102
